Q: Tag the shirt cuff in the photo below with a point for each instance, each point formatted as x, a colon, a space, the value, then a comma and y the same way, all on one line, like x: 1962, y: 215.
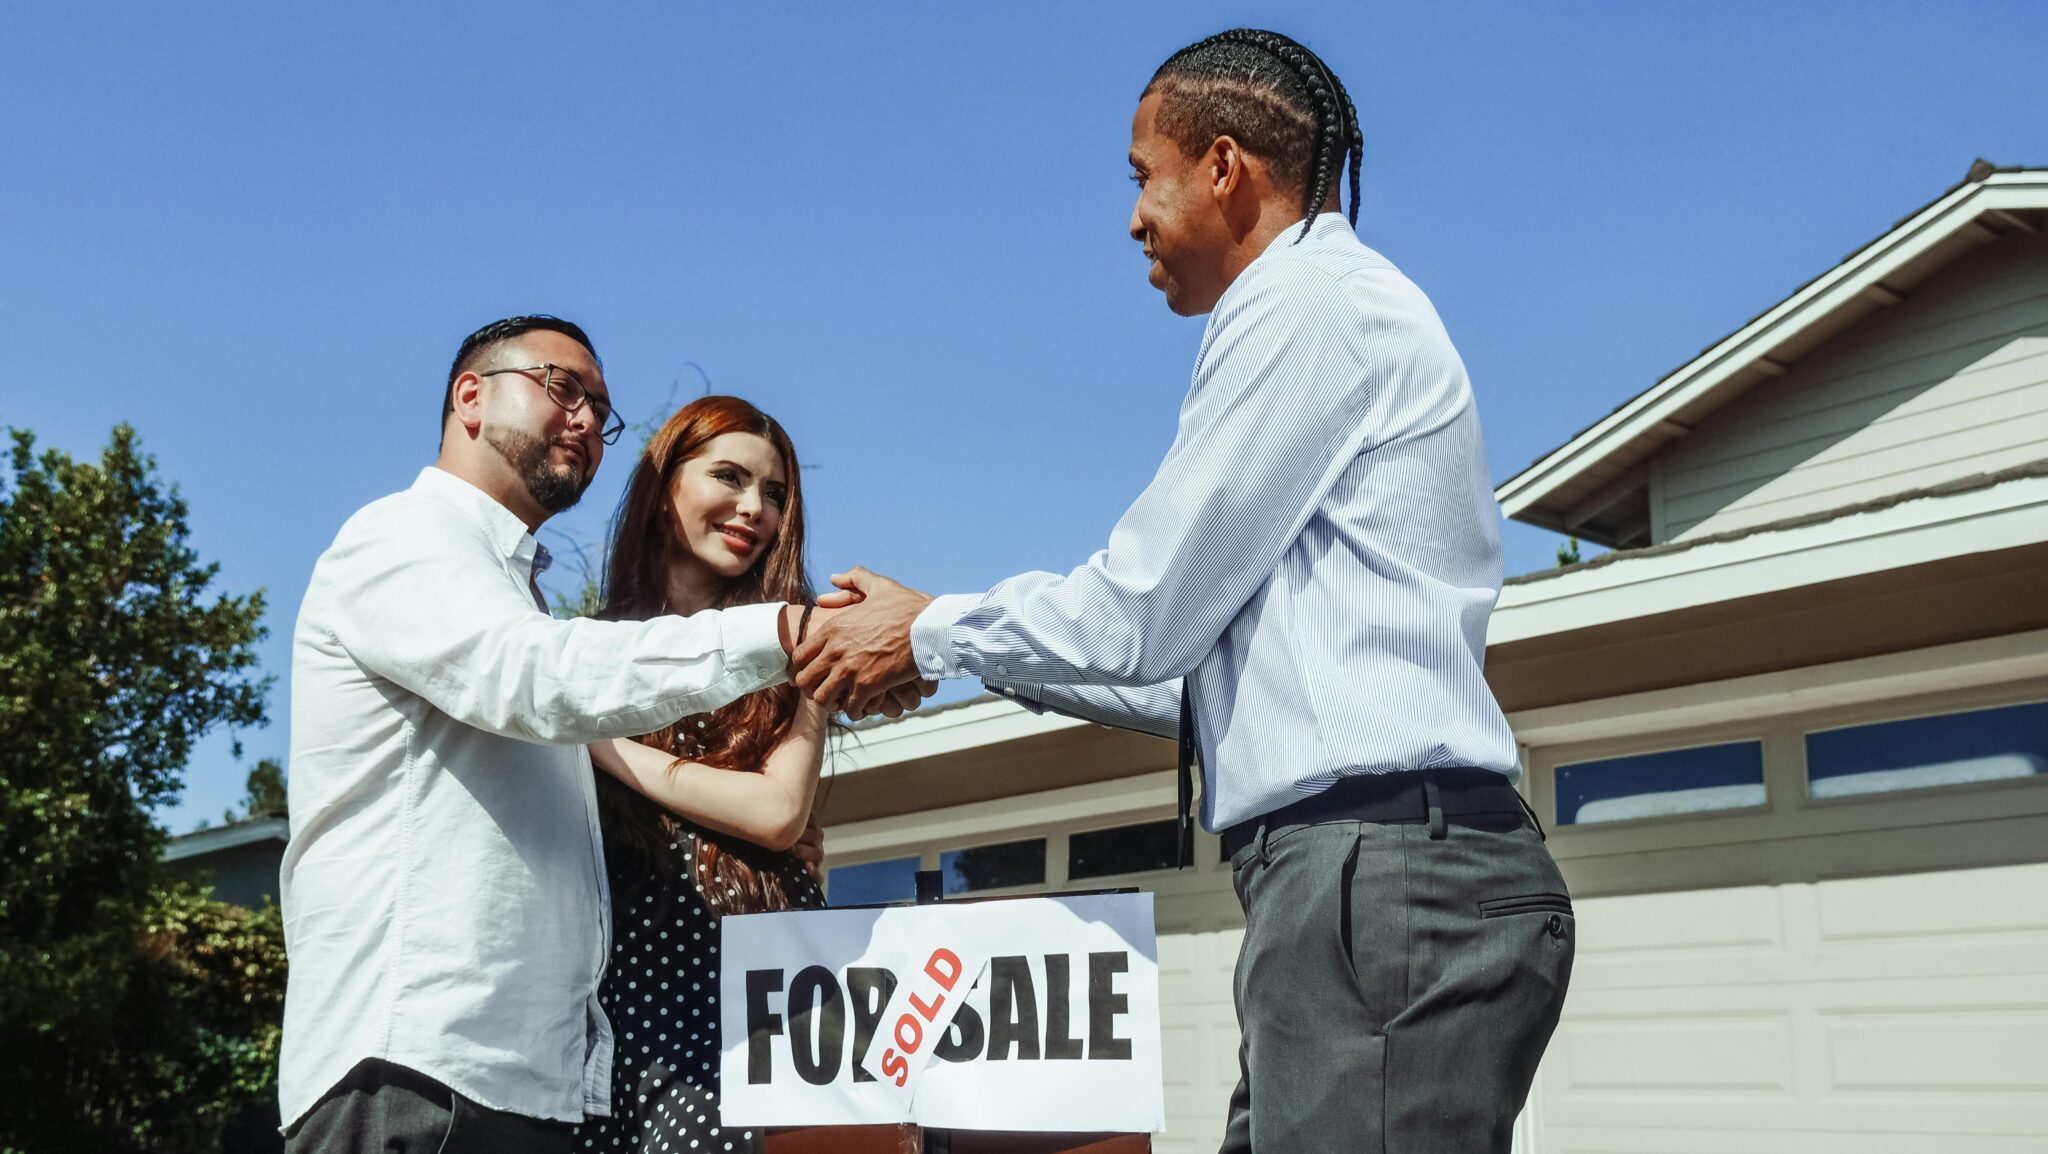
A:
x: 753, y: 642
x: 1024, y: 695
x: 931, y: 642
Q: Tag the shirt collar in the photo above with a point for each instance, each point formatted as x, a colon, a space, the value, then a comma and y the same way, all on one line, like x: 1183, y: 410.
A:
x: 1327, y: 226
x: 507, y: 533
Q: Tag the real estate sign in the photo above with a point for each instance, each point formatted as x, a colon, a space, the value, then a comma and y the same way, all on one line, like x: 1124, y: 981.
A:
x: 1025, y: 1014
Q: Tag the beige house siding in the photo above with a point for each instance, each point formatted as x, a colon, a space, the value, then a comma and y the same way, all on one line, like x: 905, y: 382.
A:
x: 1950, y: 382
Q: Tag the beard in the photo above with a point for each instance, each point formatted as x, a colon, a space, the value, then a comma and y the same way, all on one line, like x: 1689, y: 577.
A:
x: 551, y: 488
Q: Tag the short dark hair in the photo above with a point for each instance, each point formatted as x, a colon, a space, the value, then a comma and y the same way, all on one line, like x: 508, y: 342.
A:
x: 1274, y: 97
x: 482, y: 341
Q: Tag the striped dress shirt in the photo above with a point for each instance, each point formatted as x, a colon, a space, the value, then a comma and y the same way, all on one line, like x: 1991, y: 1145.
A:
x: 1317, y: 555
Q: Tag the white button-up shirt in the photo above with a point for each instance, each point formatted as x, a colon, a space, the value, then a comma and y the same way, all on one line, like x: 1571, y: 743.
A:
x: 1318, y: 554
x: 444, y: 893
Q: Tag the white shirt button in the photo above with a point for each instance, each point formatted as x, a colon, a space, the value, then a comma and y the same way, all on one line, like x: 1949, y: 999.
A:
x: 1002, y: 671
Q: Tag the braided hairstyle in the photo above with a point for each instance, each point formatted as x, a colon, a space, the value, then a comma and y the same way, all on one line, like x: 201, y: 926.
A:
x: 1275, y: 97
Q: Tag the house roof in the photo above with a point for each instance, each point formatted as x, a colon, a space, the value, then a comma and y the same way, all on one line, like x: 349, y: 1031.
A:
x: 1969, y: 484
x: 263, y: 827
x: 2005, y: 512
x: 1596, y: 484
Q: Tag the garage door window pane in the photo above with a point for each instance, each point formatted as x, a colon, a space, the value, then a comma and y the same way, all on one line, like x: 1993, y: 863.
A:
x: 990, y: 867
x: 1125, y: 850
x: 894, y: 880
x: 1982, y: 745
x: 1676, y: 781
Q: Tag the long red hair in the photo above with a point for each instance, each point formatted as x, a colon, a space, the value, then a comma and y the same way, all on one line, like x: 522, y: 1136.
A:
x: 734, y: 875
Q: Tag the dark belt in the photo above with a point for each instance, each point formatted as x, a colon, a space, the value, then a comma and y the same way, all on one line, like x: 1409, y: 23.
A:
x: 1411, y: 797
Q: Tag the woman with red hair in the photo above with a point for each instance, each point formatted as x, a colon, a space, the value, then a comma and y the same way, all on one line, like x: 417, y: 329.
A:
x: 699, y: 818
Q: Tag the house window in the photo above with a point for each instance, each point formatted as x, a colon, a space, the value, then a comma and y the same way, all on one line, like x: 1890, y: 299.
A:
x: 872, y: 882
x: 1952, y: 749
x: 1127, y: 849
x: 1677, y: 781
x: 991, y: 867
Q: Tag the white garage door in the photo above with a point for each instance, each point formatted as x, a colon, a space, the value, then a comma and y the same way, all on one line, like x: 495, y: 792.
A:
x: 1198, y: 1037
x: 1875, y: 1015
x: 1811, y: 931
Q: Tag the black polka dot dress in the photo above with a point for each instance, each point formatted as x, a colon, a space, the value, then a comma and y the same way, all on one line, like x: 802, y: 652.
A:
x: 661, y: 994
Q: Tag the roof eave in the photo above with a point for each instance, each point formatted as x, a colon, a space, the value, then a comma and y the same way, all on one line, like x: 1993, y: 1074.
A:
x: 264, y: 827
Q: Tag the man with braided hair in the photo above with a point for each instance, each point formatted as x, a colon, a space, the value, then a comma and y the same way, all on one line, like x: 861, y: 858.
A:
x: 1301, y: 594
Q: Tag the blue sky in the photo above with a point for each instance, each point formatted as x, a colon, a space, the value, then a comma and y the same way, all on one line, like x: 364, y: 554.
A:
x: 258, y: 232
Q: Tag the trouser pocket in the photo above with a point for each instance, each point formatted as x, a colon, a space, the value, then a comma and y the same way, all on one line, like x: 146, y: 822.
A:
x: 1525, y: 904
x: 1485, y: 995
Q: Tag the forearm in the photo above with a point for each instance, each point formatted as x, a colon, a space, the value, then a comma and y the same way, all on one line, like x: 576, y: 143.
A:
x: 768, y: 808
x: 573, y: 682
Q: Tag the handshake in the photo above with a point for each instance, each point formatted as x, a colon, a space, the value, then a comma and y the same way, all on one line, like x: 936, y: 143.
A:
x: 852, y: 650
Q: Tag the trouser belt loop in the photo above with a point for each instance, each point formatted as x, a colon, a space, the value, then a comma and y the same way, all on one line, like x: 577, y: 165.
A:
x: 1265, y: 827
x: 1433, y: 798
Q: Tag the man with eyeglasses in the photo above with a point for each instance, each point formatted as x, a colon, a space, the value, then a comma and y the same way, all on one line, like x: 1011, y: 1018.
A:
x: 444, y: 892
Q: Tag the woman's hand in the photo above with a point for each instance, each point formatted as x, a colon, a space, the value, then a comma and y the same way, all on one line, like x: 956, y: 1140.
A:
x: 810, y: 849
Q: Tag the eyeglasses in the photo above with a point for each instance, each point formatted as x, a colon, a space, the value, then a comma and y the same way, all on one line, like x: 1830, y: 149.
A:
x: 566, y: 389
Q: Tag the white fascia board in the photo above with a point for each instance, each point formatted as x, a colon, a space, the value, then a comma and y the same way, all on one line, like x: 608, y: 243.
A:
x: 1960, y: 665
x: 1143, y: 797
x: 1837, y: 287
x: 207, y: 841
x: 918, y: 736
x: 1915, y: 532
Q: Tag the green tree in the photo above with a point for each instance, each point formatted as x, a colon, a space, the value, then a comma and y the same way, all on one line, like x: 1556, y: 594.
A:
x: 589, y: 596
x: 115, y: 658
x: 265, y: 792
